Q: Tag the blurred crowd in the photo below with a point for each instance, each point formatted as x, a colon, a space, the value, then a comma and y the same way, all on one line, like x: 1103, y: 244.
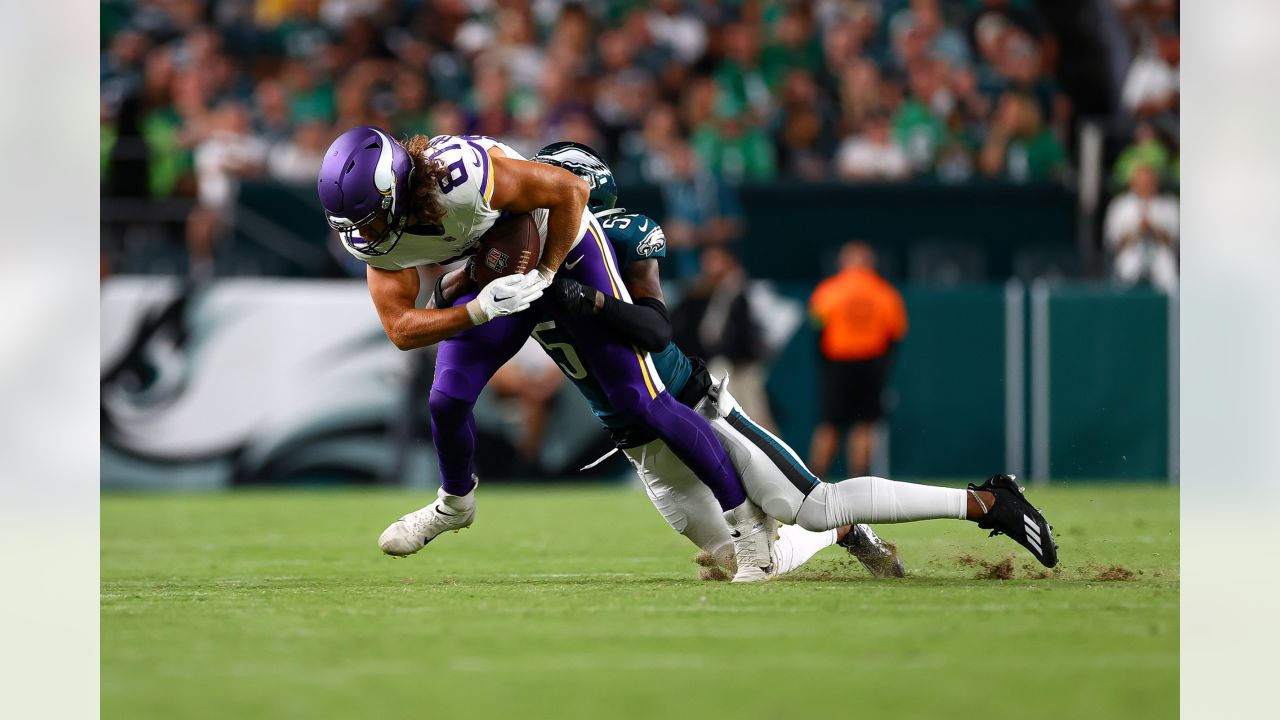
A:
x: 1140, y: 227
x: 754, y: 89
x: 696, y: 95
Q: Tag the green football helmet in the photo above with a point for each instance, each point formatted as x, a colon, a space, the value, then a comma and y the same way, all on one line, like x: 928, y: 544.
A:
x: 586, y: 164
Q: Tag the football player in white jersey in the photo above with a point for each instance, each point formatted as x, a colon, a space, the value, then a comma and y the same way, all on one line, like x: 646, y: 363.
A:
x: 815, y: 514
x: 398, y: 206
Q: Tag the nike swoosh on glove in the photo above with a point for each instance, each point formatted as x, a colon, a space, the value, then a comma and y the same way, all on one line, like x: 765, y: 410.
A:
x: 572, y: 297
x: 504, y: 296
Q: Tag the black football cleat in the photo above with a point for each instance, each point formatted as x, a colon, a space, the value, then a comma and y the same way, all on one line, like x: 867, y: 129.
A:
x: 1012, y: 515
x: 880, y: 558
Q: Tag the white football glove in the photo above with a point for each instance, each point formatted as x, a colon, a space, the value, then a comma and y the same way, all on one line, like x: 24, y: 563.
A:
x: 504, y: 296
x: 539, y: 277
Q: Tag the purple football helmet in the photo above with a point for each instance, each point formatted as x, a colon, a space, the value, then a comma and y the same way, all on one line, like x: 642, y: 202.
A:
x: 365, y: 175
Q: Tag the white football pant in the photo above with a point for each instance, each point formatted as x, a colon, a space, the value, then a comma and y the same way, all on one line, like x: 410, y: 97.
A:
x: 691, y: 510
x: 777, y: 480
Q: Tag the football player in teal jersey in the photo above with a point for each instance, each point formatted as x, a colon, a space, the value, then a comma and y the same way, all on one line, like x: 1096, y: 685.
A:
x: 639, y: 242
x: 814, y: 514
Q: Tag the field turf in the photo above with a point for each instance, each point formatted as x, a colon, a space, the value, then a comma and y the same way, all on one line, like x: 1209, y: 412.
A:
x: 580, y: 603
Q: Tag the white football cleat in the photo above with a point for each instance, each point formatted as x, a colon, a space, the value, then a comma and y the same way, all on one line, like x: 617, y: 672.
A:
x: 752, y: 534
x: 410, y: 533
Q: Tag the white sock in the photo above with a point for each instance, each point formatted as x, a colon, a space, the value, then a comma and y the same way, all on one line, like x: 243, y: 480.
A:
x: 878, y: 500
x: 796, y: 545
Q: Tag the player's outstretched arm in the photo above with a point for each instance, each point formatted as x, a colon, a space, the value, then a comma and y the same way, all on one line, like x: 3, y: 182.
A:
x: 523, y: 186
x: 394, y: 293
x: 643, y: 321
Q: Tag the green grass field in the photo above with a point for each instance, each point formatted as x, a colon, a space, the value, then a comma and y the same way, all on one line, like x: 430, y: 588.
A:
x: 580, y: 603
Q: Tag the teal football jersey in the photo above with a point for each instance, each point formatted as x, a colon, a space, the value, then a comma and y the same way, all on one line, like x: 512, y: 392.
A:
x: 634, y: 237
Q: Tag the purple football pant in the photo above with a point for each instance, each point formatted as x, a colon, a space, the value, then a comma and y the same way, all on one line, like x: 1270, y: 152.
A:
x: 465, y: 362
x: 629, y: 379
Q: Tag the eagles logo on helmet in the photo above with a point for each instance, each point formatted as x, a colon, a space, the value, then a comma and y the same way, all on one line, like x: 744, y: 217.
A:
x: 584, y: 162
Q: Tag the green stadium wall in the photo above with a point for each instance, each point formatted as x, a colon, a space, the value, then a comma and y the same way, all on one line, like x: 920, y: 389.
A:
x: 963, y: 395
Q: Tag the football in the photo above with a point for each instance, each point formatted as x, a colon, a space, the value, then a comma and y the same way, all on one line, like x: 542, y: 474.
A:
x: 510, y: 247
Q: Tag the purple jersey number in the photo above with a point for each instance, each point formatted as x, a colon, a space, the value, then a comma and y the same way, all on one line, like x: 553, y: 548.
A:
x: 457, y: 170
x: 457, y: 176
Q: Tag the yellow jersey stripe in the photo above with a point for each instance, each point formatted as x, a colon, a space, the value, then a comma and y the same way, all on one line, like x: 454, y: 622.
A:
x: 488, y: 172
x: 604, y: 254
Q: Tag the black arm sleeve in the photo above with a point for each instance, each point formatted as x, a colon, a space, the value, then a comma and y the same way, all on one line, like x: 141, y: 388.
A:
x: 644, y: 322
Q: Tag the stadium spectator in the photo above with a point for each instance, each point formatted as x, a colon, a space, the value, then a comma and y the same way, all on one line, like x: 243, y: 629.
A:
x: 700, y: 210
x: 714, y: 321
x: 646, y: 152
x: 801, y: 150
x: 228, y: 153
x: 735, y: 149
x: 681, y: 32
x: 490, y: 110
x: 862, y: 95
x: 861, y: 320
x: 805, y: 121
x: 272, y: 119
x: 872, y: 154
x: 1151, y: 85
x: 740, y: 75
x: 794, y: 46
x: 917, y: 124
x: 530, y: 381
x: 1141, y: 231
x: 297, y: 159
x: 1009, y: 15
x: 412, y: 103
x: 1146, y: 150
x: 1018, y: 146
x: 923, y: 18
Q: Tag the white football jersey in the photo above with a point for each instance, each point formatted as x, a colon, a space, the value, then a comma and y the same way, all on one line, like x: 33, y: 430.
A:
x: 464, y: 195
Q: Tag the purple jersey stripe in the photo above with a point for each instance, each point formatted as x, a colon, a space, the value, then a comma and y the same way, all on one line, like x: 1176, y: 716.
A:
x: 484, y: 177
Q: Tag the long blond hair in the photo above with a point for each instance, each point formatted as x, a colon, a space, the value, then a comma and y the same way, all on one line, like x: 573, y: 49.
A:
x: 424, y: 198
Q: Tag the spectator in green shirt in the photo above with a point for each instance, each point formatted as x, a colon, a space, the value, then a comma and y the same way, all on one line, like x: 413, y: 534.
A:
x: 742, y: 84
x: 1146, y: 150
x: 171, y: 158
x: 735, y: 150
x: 917, y: 129
x: 1019, y: 147
x: 794, y: 47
